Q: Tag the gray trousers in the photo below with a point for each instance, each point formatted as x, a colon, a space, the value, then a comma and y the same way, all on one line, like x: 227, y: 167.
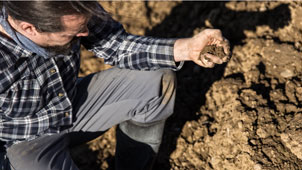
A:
x: 104, y: 99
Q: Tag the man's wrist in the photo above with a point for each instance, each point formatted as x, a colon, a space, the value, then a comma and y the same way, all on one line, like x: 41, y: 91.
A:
x: 181, y: 51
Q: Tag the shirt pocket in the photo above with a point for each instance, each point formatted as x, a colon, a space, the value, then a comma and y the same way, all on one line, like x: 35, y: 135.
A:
x: 22, y: 99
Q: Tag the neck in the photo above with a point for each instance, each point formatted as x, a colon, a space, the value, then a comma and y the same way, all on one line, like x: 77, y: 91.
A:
x: 4, y: 33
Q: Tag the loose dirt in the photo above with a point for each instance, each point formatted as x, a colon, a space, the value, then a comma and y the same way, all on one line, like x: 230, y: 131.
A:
x: 242, y: 115
x: 214, y: 50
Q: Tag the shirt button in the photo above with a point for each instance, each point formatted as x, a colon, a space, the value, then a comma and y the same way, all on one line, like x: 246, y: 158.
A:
x: 60, y: 94
x: 66, y: 114
x: 53, y: 71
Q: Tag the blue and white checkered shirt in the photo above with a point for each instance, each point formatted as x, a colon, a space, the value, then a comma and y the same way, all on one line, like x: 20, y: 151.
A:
x: 36, y: 93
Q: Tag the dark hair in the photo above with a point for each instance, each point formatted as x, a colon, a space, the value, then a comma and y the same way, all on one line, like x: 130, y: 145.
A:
x: 46, y: 15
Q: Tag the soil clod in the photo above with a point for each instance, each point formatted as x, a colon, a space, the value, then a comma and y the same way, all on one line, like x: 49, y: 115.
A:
x: 214, y: 50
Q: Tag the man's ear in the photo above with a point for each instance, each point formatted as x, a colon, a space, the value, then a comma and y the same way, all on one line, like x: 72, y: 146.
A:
x: 22, y: 26
x: 27, y: 28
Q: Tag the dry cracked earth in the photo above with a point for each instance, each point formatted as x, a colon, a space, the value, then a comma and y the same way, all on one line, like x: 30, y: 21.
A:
x: 245, y: 114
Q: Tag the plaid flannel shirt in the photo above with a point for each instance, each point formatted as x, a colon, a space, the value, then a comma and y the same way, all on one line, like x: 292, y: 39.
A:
x: 36, y: 93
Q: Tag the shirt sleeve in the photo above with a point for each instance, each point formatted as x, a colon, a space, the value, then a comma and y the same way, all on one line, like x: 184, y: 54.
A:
x: 108, y: 40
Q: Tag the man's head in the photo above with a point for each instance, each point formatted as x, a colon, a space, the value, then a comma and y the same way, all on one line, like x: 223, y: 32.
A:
x: 51, y: 24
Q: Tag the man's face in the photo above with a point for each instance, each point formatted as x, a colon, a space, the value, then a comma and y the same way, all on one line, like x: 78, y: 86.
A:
x: 75, y: 26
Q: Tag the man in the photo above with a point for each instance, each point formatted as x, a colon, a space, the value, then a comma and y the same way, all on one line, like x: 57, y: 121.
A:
x: 45, y: 108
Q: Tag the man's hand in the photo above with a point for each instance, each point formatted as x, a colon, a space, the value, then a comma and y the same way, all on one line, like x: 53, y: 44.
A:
x: 189, y: 49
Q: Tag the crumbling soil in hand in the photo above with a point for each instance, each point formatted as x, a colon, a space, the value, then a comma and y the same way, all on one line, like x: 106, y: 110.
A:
x: 214, y: 50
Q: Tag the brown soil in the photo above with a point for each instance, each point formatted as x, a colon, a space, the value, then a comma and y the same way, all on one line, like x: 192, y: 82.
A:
x: 242, y: 115
x: 214, y: 50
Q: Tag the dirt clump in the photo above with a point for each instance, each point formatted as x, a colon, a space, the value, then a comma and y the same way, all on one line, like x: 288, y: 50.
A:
x: 214, y: 50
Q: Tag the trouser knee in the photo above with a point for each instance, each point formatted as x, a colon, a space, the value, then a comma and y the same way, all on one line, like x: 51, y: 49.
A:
x: 168, y: 91
x: 161, y: 102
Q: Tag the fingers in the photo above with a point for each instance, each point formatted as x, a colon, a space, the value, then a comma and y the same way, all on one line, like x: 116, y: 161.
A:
x: 219, y: 40
x: 214, y: 35
x: 205, y: 43
x: 227, y: 49
x: 215, y: 38
x: 213, y: 58
x: 208, y: 60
